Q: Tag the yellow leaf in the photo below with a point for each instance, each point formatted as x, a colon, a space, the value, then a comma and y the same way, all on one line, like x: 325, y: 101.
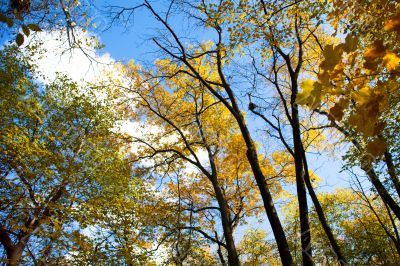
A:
x: 310, y: 95
x: 350, y: 44
x: 393, y: 24
x: 303, y: 97
x: 363, y: 96
x: 375, y: 51
x: 332, y: 57
x: 391, y: 60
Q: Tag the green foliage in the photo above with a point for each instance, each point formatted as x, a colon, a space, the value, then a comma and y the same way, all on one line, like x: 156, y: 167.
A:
x: 60, y: 148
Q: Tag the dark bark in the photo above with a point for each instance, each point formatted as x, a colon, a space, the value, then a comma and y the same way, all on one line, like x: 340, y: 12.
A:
x: 15, y: 257
x: 301, y: 191
x: 13, y: 252
x: 392, y: 171
x: 320, y: 212
x: 380, y: 188
x: 277, y: 229
x: 6, y: 241
x: 233, y: 258
x: 305, y: 233
x: 221, y: 256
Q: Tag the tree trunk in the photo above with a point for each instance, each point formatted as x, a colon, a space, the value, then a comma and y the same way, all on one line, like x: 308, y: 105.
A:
x: 305, y: 234
x: 306, y: 249
x: 13, y: 252
x: 233, y: 258
x: 273, y: 218
x: 380, y: 188
x: 320, y: 212
x: 14, y: 256
x: 221, y: 256
x: 392, y: 171
x: 266, y: 195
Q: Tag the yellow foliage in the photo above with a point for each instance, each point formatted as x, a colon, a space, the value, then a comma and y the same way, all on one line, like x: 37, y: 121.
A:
x: 376, y: 50
x: 332, y: 56
x: 393, y: 24
x: 391, y: 60
x: 310, y: 94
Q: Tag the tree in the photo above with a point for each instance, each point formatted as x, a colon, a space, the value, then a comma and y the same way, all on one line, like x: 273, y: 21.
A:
x: 286, y: 51
x: 368, y: 240
x: 356, y: 88
x: 220, y: 133
x: 189, y: 122
x: 220, y: 88
x: 55, y: 141
x: 255, y: 249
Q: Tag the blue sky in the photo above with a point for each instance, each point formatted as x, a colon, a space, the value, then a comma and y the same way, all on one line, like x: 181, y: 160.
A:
x: 134, y: 40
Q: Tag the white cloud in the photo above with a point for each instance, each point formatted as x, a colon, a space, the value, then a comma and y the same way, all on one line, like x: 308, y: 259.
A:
x: 145, y: 131
x: 90, y: 66
x: 80, y: 65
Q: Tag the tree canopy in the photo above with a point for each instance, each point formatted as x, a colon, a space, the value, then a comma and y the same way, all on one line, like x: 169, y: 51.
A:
x: 208, y: 150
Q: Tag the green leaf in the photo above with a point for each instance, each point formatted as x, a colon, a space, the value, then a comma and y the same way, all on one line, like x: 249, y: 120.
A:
x: 19, y: 39
x: 34, y: 27
x: 7, y: 20
x: 25, y: 30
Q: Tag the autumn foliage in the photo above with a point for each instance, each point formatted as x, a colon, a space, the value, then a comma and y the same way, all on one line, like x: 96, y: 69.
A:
x: 222, y: 149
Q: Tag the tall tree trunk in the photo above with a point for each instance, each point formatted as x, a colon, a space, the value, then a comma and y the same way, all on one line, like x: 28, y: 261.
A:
x: 305, y: 234
x: 233, y: 258
x: 306, y: 249
x: 252, y: 157
x: 266, y: 195
x: 380, y: 188
x: 320, y: 212
x: 392, y: 171
x: 14, y: 257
